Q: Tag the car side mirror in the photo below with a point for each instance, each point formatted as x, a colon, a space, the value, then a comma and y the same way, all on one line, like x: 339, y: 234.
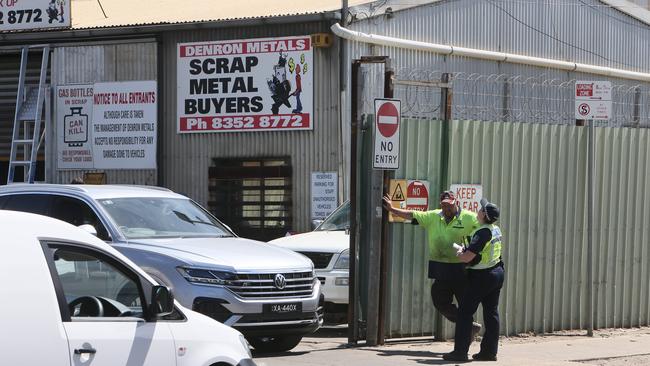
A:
x: 162, y: 301
x: 89, y: 229
x: 315, y: 223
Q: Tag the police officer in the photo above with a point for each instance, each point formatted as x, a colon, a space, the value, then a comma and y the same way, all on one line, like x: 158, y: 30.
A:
x: 445, y: 226
x: 485, y: 274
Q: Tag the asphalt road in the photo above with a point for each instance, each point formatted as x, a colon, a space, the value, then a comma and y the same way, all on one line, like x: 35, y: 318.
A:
x: 327, y: 347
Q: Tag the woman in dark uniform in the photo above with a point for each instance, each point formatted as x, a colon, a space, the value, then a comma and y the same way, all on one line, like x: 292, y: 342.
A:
x: 485, y: 274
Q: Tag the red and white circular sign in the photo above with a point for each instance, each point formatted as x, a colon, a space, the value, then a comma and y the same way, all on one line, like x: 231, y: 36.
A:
x: 584, y: 109
x: 387, y: 119
x: 417, y: 196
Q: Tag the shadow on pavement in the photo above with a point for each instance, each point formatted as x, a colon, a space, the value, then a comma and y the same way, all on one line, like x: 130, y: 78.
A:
x: 331, y: 331
x: 279, y: 354
x: 421, y: 357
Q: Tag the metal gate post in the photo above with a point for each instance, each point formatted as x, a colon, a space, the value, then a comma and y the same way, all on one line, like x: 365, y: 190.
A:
x: 445, y: 108
x: 389, y: 75
x: 353, y: 290
x: 377, y: 253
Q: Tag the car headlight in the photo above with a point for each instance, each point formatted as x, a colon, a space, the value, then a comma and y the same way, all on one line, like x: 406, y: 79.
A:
x: 197, y: 275
x: 247, y: 347
x: 344, y: 260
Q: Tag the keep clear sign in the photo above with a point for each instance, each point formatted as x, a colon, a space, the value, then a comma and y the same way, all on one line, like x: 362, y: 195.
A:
x: 324, y: 194
x: 74, y: 109
x: 468, y: 196
x: 124, y: 125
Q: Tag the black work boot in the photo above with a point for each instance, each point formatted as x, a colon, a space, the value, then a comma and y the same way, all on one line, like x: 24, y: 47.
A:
x: 453, y: 356
x: 484, y: 357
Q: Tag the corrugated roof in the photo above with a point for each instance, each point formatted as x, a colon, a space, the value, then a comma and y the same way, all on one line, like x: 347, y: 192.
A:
x: 120, y: 13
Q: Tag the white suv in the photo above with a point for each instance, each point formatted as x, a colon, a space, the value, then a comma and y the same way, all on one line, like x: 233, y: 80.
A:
x: 328, y: 248
x: 269, y: 294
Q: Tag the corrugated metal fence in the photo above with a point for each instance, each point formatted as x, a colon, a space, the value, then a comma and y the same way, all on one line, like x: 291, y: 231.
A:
x: 537, y: 174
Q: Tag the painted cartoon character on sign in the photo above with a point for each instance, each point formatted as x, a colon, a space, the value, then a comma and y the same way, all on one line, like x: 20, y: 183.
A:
x: 279, y: 85
x: 55, y: 11
x: 296, y: 67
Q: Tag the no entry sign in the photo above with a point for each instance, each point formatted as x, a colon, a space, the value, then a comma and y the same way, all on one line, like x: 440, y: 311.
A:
x: 417, y: 196
x: 387, y: 121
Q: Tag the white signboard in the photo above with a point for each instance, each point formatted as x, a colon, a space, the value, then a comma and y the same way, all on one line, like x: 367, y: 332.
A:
x: 468, y: 195
x: 593, y: 100
x: 124, y: 125
x: 324, y: 194
x: 74, y: 110
x: 387, y: 121
x: 34, y: 14
x: 245, y: 85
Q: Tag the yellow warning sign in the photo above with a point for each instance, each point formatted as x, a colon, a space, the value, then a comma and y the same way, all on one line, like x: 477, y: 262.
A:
x: 397, y: 196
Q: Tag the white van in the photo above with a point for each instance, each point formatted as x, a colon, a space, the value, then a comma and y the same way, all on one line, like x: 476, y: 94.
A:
x: 59, y: 305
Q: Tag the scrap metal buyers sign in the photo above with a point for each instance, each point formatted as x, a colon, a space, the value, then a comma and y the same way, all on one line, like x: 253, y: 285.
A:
x: 245, y: 85
x: 107, y: 125
x: 34, y: 14
x: 593, y: 100
x: 468, y: 196
x: 387, y: 121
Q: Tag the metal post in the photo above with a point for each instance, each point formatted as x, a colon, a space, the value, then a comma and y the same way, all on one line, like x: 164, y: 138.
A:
x: 389, y: 75
x: 505, y: 106
x: 445, y: 108
x: 636, y: 112
x: 590, y: 228
x: 353, y: 290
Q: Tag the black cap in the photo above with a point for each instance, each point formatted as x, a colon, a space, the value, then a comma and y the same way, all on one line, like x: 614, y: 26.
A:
x: 491, y: 210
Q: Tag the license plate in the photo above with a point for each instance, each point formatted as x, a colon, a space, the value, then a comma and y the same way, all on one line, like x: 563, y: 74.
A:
x: 294, y: 307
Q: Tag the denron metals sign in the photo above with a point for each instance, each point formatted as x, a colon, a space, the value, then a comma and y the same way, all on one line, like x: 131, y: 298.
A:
x: 18, y: 15
x: 245, y: 85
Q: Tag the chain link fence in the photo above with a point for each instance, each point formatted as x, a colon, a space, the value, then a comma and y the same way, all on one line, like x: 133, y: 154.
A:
x: 513, y: 98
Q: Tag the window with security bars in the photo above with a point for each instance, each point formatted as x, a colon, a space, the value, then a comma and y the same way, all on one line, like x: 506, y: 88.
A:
x: 252, y: 196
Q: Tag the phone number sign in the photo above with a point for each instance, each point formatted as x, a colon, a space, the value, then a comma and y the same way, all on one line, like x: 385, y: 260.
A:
x: 243, y: 85
x: 16, y: 15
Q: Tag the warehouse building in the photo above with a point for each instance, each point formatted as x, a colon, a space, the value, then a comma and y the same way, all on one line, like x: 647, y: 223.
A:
x: 227, y: 126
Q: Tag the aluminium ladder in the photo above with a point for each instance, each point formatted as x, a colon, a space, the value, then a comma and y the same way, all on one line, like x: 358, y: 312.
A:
x: 28, y: 118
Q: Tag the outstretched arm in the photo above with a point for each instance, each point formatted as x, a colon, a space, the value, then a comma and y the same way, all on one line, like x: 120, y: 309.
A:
x: 405, y: 214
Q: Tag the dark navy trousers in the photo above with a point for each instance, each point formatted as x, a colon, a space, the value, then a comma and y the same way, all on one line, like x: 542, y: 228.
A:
x: 484, y: 287
x: 450, y: 280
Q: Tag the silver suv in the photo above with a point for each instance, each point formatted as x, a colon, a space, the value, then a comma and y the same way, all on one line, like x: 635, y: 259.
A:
x: 269, y: 294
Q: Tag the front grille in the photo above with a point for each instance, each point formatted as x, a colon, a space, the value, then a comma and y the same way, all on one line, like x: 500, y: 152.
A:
x: 300, y: 284
x: 320, y: 260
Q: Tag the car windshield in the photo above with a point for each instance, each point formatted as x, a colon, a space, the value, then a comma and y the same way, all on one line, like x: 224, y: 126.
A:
x: 149, y: 217
x: 337, y: 220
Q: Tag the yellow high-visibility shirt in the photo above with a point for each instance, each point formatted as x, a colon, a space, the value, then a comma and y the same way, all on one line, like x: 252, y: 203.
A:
x: 441, y: 235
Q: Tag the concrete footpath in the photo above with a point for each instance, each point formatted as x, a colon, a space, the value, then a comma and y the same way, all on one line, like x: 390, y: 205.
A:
x: 611, y: 347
